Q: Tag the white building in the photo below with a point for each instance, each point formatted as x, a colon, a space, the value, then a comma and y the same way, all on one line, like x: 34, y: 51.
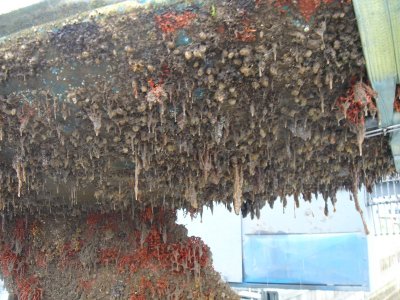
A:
x: 303, y: 254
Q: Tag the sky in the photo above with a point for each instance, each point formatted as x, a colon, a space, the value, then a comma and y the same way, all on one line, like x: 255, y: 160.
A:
x: 3, y: 292
x: 8, y: 6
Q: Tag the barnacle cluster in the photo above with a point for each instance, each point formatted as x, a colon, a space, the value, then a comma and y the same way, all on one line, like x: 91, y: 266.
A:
x: 179, y: 106
x: 93, y: 255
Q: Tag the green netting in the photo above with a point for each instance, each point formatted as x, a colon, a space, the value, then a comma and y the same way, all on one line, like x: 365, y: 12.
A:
x: 375, y: 28
x: 394, y: 14
x: 379, y: 26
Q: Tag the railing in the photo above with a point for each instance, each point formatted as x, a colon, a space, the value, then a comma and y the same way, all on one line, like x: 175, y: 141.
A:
x: 384, y: 206
x: 382, y: 131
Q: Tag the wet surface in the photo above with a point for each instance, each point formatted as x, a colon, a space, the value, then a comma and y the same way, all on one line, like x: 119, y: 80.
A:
x: 107, y: 256
x: 150, y: 110
x: 179, y: 106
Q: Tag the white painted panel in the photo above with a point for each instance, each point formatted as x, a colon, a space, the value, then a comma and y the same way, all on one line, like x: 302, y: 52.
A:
x: 308, y: 218
x: 384, y: 260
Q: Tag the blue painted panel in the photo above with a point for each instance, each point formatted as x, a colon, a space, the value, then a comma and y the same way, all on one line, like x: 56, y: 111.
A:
x: 315, y: 259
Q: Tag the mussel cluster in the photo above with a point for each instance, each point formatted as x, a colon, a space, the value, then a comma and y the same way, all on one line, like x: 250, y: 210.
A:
x: 180, y: 106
